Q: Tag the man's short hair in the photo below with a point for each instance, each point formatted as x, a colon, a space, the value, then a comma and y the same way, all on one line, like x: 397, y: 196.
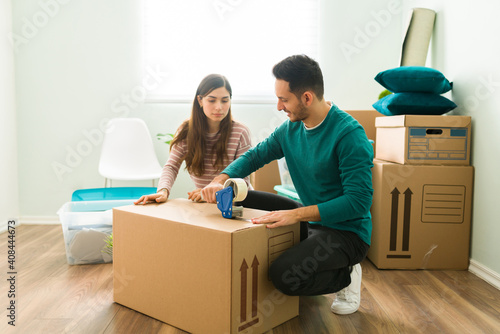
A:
x: 302, y: 74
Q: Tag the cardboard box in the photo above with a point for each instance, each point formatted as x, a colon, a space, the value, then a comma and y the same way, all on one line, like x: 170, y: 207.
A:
x: 424, y: 140
x: 266, y: 177
x: 421, y: 216
x: 367, y: 120
x: 182, y: 263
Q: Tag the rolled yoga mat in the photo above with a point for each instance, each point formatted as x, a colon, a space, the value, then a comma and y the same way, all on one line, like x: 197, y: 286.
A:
x: 417, y: 37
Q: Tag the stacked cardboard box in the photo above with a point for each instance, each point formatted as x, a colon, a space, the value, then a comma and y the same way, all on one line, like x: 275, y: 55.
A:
x: 422, y: 182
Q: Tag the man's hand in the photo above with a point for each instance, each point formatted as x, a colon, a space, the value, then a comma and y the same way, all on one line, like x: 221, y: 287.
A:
x: 217, y: 184
x: 289, y: 217
x: 278, y: 218
x: 195, y: 195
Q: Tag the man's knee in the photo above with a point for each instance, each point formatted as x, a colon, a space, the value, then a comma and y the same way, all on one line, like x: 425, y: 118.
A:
x: 290, y: 276
x: 284, y: 277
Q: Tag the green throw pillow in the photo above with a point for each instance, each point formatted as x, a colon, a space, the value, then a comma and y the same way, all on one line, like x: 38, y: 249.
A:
x: 417, y: 79
x: 414, y: 104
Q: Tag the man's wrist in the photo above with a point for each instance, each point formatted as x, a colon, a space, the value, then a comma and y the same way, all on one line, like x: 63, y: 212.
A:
x: 308, y: 213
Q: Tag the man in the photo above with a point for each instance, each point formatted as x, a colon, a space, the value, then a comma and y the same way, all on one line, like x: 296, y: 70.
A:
x: 329, y: 158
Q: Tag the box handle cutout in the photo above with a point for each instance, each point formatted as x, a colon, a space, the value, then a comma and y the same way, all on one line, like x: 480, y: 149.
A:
x: 434, y: 131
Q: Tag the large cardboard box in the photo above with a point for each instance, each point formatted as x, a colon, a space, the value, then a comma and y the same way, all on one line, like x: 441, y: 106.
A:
x: 367, y: 120
x: 182, y: 263
x: 421, y: 216
x: 266, y: 177
x: 424, y: 140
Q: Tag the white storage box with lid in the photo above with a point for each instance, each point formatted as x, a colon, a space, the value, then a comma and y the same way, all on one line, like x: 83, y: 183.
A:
x: 86, y: 225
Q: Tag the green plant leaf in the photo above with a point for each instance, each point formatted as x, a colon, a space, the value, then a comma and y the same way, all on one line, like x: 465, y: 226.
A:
x: 169, y: 137
x: 384, y: 94
x: 108, y: 248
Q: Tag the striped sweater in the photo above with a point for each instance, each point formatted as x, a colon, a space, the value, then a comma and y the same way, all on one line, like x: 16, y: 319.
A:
x: 239, y: 143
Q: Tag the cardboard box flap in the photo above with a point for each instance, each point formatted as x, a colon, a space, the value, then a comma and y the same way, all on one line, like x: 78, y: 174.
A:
x: 204, y: 215
x: 423, y: 121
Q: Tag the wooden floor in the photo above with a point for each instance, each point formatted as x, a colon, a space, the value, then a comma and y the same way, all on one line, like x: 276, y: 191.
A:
x: 54, y: 297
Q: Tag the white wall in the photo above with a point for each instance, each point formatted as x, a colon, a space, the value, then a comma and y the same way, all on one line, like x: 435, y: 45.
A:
x: 9, y: 208
x: 465, y: 49
x: 69, y: 70
x: 358, y: 40
x: 77, y: 68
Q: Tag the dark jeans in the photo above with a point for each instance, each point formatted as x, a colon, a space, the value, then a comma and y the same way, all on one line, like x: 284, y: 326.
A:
x: 271, y: 202
x: 320, y: 263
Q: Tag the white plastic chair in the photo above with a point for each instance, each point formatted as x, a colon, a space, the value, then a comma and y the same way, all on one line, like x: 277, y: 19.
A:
x: 127, y: 152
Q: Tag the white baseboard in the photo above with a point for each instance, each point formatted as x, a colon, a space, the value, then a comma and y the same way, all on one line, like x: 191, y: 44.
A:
x: 485, y: 273
x: 4, y: 224
x: 39, y: 220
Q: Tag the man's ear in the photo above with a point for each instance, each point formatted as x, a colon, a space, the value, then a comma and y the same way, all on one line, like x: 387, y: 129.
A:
x: 307, y: 98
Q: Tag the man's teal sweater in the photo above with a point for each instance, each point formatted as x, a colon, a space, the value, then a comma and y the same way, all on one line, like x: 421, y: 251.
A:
x: 330, y: 166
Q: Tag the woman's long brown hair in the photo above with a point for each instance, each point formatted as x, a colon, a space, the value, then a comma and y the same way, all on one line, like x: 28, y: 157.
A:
x: 195, y: 129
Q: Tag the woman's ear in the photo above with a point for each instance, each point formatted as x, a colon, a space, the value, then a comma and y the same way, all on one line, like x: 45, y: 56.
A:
x: 199, y: 100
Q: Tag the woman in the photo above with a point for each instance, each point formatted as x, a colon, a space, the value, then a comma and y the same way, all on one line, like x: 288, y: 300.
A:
x: 208, y: 141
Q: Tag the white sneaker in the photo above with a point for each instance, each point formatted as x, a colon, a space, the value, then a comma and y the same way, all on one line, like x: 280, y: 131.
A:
x: 348, y: 299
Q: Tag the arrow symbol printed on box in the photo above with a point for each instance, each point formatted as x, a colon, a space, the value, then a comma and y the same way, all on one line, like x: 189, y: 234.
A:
x: 255, y: 282
x: 255, y: 291
x: 406, y: 221
x: 394, y: 219
x: 243, y: 308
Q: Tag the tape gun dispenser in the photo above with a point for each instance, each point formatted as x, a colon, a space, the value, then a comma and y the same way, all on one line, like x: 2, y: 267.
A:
x: 234, y: 191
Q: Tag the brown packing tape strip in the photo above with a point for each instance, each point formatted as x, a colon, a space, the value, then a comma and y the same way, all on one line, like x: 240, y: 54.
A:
x: 417, y: 37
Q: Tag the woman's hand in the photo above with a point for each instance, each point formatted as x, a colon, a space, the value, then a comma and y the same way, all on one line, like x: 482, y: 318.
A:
x: 159, y: 197
x: 195, y: 195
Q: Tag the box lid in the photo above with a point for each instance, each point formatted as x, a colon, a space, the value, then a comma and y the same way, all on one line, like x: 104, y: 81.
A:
x: 445, y: 121
x: 197, y: 214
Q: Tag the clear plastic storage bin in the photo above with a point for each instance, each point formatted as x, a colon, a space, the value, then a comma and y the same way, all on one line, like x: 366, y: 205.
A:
x: 286, y: 179
x: 86, y: 226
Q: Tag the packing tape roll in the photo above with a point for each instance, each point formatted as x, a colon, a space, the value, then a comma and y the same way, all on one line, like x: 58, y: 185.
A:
x: 240, y: 188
